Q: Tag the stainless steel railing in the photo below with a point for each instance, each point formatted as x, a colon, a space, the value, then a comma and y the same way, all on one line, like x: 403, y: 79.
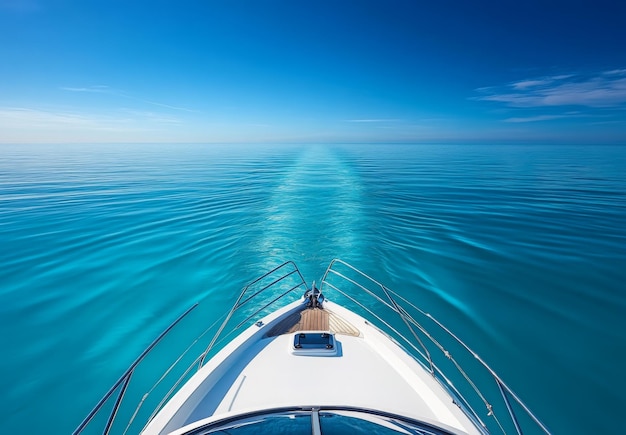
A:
x: 124, y: 381
x: 275, y: 278
x: 419, y: 341
x: 243, y: 300
x: 340, y: 273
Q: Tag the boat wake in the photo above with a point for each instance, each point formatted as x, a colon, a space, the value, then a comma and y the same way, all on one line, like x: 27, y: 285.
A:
x: 314, y: 214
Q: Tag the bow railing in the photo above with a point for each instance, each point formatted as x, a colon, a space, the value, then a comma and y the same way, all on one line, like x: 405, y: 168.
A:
x: 431, y: 347
x: 255, y: 298
x: 472, y: 382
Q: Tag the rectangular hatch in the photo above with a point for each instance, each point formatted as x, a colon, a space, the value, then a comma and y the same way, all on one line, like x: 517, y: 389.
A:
x: 314, y: 343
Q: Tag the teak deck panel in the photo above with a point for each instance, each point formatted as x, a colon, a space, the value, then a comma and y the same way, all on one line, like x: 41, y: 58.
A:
x: 313, y: 319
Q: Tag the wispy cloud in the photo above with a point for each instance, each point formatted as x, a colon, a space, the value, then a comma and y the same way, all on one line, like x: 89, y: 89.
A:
x: 103, y: 89
x: 526, y: 84
x: 168, y: 106
x: 539, y: 118
x: 20, y: 117
x: 374, y: 120
x: 605, y: 89
x: 34, y: 119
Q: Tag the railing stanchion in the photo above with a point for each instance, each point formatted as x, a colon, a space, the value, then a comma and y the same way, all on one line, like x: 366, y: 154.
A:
x: 118, y: 402
x: 509, y: 408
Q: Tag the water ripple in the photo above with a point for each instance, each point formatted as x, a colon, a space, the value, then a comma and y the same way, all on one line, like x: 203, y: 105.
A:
x: 516, y: 247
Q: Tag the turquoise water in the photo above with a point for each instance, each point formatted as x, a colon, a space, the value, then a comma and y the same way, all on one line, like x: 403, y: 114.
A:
x: 522, y: 249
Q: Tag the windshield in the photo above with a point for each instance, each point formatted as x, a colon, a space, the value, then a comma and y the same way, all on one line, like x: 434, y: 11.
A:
x: 318, y: 421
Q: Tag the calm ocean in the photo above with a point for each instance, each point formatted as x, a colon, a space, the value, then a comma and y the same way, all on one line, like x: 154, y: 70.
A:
x: 521, y: 249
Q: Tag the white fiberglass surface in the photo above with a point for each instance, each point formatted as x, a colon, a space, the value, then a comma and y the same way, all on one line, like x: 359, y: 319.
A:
x: 365, y: 372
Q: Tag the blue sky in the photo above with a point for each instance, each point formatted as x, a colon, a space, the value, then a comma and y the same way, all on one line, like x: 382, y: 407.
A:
x: 304, y: 71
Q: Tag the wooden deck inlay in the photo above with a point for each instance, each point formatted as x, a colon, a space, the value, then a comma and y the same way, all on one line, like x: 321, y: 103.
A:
x: 313, y: 319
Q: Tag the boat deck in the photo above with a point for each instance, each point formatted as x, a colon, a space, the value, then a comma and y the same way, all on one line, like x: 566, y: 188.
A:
x: 313, y: 319
x: 368, y: 371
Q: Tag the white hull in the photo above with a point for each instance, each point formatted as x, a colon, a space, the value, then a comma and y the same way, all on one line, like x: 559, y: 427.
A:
x: 255, y: 372
x: 314, y: 366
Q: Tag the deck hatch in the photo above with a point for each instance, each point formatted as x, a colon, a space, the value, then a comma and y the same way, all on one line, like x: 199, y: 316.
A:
x: 314, y: 343
x: 313, y: 340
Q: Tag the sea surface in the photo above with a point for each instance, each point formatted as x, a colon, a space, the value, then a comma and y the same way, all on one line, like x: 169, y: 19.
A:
x: 520, y: 248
